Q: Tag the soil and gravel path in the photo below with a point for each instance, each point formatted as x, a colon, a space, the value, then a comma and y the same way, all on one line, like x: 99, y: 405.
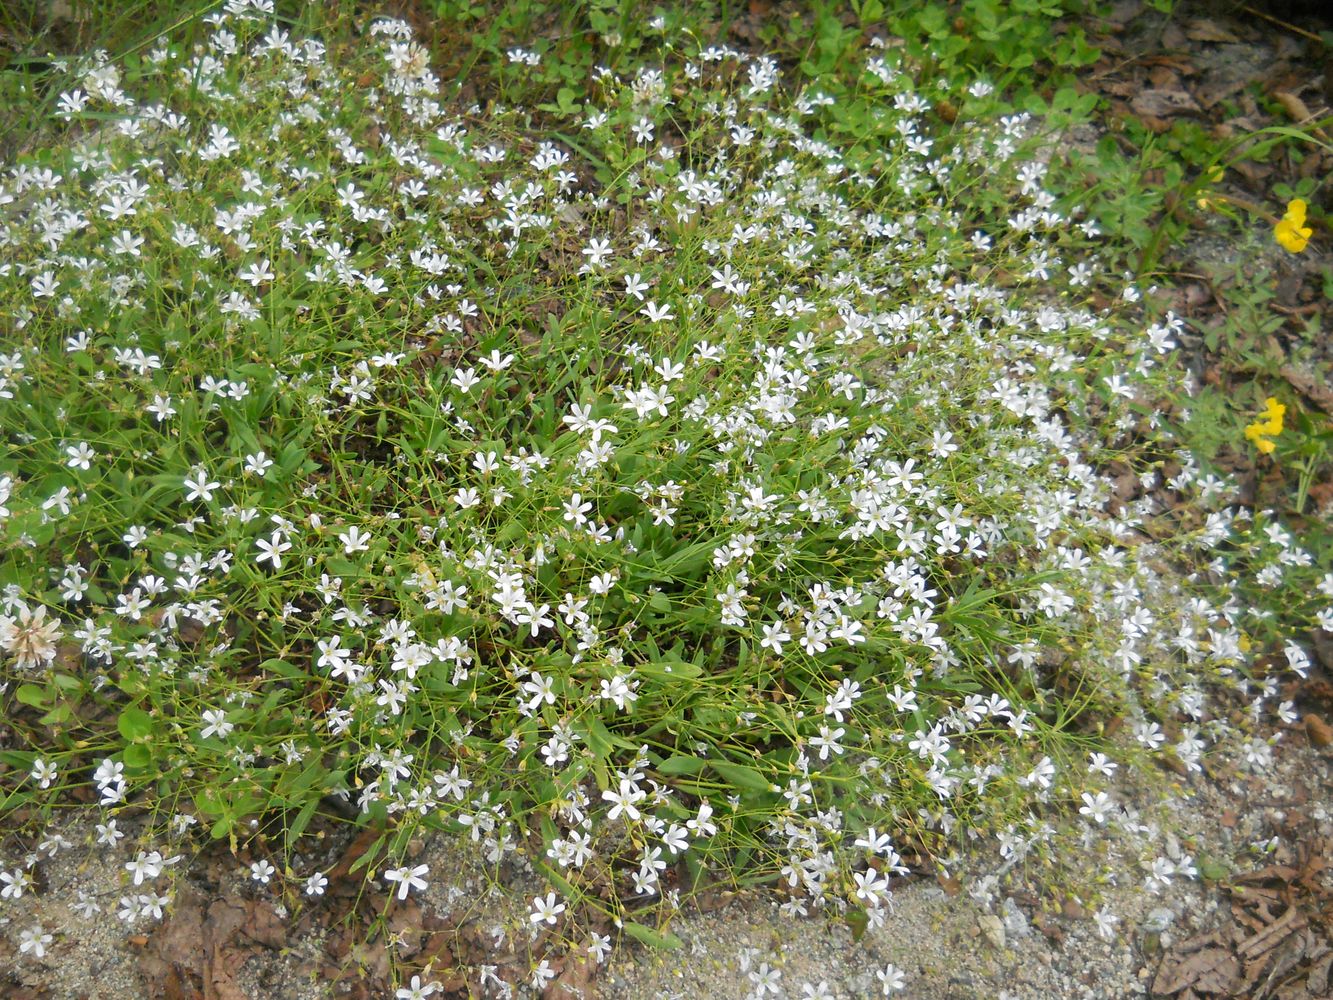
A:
x: 1254, y: 922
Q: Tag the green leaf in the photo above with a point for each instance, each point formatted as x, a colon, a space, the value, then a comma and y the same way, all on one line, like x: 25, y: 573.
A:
x: 135, y: 724
x: 684, y: 562
x: 858, y: 921
x: 282, y: 668
x: 136, y: 757
x: 663, y: 940
x: 599, y: 738
x: 559, y: 881
x: 681, y: 764
x: 58, y: 716
x: 741, y: 776
x: 668, y: 669
x: 32, y: 695
x: 301, y: 821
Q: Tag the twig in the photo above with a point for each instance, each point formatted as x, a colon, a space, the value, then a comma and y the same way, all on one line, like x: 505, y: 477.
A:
x: 1281, y: 24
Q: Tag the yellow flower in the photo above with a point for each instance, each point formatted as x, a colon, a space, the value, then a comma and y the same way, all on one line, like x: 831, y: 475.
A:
x: 1291, y: 230
x: 1274, y: 411
x: 1267, y: 427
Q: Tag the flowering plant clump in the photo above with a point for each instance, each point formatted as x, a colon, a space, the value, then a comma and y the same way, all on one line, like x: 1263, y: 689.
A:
x: 696, y: 487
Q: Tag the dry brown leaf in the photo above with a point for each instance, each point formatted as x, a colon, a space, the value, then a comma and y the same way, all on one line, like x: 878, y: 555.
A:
x: 1212, y: 94
x: 1255, y: 173
x: 1283, y: 874
x: 1164, y: 78
x: 1120, y: 88
x: 1049, y: 926
x: 1162, y: 103
x: 1122, y: 12
x: 220, y: 980
x: 1317, y: 731
x: 263, y: 925
x: 1321, y: 974
x: 1291, y: 953
x: 1172, y: 37
x: 1307, y: 385
x: 208, y: 942
x: 1274, y: 934
x: 1209, y: 970
x: 1202, y: 29
x: 1297, y: 110
x: 950, y: 885
x: 575, y: 979
x: 354, y: 851
x: 405, y: 926
x: 179, y: 986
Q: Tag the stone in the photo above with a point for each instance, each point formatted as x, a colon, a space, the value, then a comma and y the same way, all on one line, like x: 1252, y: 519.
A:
x: 992, y: 929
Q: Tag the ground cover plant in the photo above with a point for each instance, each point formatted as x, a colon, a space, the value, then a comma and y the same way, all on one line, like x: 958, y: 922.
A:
x: 679, y: 483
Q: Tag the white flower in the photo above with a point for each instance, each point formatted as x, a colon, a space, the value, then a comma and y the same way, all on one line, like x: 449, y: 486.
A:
x: 774, y: 637
x: 217, y: 723
x: 871, y: 886
x: 1095, y: 806
x: 199, y: 487
x: 272, y: 549
x: 624, y: 799
x: 354, y: 540
x: 29, y: 637
x: 765, y: 980
x: 80, y: 456
x: 546, y: 910
x: 258, y: 464
x: 415, y: 990
x: 408, y: 878
x: 576, y: 509
x: 34, y: 941
x: 891, y: 979
x: 15, y: 882
x: 148, y: 865
x: 1100, y: 763
x: 43, y: 772
x: 1105, y: 922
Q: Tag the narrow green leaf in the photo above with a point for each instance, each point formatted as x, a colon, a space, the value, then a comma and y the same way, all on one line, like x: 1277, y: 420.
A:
x: 663, y: 940
x: 741, y: 775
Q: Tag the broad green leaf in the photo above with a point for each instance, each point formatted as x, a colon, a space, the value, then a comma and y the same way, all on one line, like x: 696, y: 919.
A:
x: 135, y: 724
x: 32, y: 695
